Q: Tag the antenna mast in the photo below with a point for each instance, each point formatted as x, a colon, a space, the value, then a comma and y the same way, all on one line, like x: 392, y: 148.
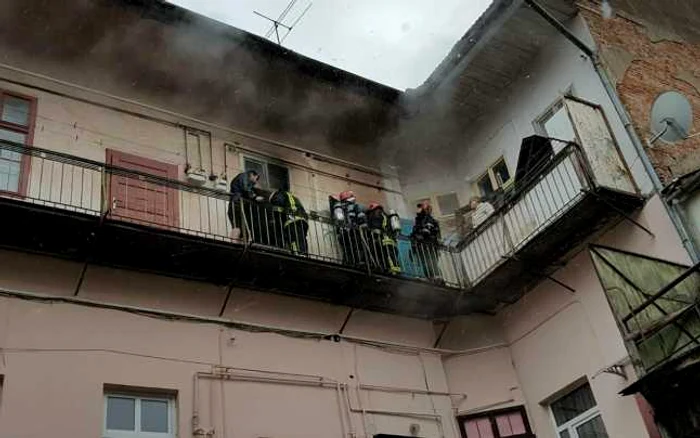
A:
x: 277, y: 23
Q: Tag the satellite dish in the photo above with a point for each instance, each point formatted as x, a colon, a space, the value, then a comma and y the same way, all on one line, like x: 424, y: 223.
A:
x: 671, y: 117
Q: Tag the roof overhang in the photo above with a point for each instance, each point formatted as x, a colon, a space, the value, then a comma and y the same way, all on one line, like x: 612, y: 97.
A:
x: 493, y: 54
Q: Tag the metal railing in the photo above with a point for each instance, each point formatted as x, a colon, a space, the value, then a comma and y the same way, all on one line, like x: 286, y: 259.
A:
x: 667, y: 323
x: 66, y: 182
x: 538, y: 200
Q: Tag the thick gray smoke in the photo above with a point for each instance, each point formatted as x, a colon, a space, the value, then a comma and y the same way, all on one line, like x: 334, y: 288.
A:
x: 197, y: 66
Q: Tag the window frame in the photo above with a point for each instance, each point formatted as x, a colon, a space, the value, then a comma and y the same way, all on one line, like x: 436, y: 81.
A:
x: 491, y: 415
x: 205, y: 149
x: 584, y: 417
x: 137, y: 433
x: 433, y: 200
x: 571, y: 425
x: 493, y: 180
x: 549, y: 112
x: 28, y: 131
x: 265, y: 178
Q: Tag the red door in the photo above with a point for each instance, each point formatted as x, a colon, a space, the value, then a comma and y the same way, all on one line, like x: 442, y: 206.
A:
x: 134, y: 199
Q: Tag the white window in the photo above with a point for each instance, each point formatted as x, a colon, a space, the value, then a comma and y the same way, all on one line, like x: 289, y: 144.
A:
x: 496, y: 177
x: 272, y: 176
x: 198, y: 150
x: 133, y: 416
x: 555, y: 123
x: 577, y: 416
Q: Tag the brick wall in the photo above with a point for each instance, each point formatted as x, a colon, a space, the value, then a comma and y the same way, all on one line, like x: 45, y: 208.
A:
x: 646, y: 55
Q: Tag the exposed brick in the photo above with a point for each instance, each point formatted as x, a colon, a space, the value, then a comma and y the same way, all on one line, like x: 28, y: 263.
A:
x: 653, y: 65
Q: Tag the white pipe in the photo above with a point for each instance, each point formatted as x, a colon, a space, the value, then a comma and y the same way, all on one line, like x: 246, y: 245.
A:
x: 324, y: 384
x: 410, y: 391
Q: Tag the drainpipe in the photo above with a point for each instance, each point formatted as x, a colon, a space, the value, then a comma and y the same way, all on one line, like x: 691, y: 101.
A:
x: 626, y: 121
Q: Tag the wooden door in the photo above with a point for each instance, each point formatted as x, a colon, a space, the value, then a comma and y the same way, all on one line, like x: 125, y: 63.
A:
x: 134, y: 199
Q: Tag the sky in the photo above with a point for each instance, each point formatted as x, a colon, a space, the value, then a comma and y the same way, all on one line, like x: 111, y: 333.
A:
x: 393, y: 42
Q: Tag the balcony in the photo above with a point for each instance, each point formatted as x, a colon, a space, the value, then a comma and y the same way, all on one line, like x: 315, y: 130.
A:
x: 548, y: 215
x: 105, y: 214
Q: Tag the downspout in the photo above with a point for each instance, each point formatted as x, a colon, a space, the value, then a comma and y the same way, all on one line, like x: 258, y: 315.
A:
x: 626, y: 121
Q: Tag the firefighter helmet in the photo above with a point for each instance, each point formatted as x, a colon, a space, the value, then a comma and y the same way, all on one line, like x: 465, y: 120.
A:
x: 374, y: 206
x: 344, y: 196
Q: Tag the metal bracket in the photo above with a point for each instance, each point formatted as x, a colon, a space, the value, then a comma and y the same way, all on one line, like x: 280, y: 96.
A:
x: 90, y: 250
x: 617, y: 370
x: 623, y: 214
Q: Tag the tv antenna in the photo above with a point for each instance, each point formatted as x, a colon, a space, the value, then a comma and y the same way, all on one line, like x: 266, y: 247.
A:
x: 278, y: 23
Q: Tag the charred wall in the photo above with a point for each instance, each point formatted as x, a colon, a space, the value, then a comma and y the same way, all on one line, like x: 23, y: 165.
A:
x: 165, y: 56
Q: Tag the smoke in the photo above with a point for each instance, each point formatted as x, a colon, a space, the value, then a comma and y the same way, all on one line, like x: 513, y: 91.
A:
x: 607, y: 10
x: 153, y: 52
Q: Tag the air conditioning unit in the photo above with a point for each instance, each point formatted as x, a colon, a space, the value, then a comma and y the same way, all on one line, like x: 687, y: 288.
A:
x: 198, y: 176
x: 221, y: 184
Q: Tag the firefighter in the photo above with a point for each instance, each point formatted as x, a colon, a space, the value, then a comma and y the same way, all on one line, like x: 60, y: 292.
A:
x: 348, y: 219
x: 289, y: 221
x: 382, y: 239
x: 425, y: 238
x: 242, y: 196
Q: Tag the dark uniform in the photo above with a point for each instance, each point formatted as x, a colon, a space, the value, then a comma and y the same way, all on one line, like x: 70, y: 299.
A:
x: 348, y: 228
x: 289, y: 222
x: 425, y: 242
x: 382, y: 241
x: 242, y: 200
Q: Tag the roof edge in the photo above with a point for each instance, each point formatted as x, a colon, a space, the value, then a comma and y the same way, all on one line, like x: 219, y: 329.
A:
x: 477, y: 35
x: 169, y: 13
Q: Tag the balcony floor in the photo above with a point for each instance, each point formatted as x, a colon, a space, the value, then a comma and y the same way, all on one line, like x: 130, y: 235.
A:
x: 83, y: 237
x: 517, y: 274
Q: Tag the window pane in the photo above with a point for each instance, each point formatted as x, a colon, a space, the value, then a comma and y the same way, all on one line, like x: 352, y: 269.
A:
x: 14, y: 137
x: 510, y: 424
x: 278, y: 176
x: 472, y: 429
x: 501, y: 172
x: 194, y: 151
x: 448, y: 203
x: 503, y: 424
x: 9, y: 175
x: 257, y: 166
x: 559, y: 126
x: 121, y: 413
x: 564, y: 434
x: 154, y: 416
x: 484, y: 184
x: 592, y: 429
x: 485, y: 430
x: 15, y: 110
x: 573, y: 404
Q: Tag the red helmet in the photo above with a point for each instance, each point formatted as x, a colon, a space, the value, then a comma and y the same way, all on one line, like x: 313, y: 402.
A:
x: 347, y: 195
x: 374, y: 206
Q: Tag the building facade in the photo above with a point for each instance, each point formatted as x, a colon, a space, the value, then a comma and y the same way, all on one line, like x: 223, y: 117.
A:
x: 131, y: 308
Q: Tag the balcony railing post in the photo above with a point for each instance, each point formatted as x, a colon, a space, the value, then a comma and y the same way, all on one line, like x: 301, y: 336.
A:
x: 106, y: 202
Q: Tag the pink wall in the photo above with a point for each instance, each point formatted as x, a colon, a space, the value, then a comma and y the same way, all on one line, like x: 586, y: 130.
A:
x: 54, y: 351
x: 558, y: 337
